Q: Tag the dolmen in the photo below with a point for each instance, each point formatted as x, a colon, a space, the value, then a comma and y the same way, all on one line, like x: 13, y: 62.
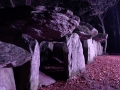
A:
x: 22, y: 31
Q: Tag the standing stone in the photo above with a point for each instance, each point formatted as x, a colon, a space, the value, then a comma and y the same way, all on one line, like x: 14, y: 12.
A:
x: 91, y: 50
x: 95, y: 45
x: 7, y: 79
x: 74, y: 57
x: 99, y: 49
x: 35, y: 64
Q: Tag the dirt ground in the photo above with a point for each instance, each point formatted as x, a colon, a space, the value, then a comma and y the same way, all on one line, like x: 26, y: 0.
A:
x: 102, y: 74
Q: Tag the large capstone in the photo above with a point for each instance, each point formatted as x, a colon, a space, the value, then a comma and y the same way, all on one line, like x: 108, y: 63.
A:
x: 12, y: 55
x: 42, y: 23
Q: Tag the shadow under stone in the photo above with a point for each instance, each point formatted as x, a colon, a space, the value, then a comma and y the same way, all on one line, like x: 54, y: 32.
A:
x: 22, y: 77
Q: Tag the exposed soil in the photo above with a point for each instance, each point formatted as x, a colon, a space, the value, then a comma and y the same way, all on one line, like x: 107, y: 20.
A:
x: 102, y: 74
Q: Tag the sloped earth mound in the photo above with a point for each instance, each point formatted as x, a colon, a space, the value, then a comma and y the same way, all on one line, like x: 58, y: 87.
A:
x: 102, y: 74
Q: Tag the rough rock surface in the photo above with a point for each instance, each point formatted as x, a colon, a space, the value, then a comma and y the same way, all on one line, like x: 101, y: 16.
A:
x: 76, y: 61
x: 41, y: 23
x: 12, y: 55
x: 7, y: 79
x: 52, y: 23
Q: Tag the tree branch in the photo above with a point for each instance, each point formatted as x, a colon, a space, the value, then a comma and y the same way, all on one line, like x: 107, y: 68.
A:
x: 12, y: 4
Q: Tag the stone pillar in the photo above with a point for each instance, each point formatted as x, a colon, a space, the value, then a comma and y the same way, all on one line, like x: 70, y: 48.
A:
x: 34, y: 70
x: 88, y: 44
x: 7, y: 81
x: 95, y: 45
x: 74, y: 58
x: 99, y: 48
x: 92, y: 48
